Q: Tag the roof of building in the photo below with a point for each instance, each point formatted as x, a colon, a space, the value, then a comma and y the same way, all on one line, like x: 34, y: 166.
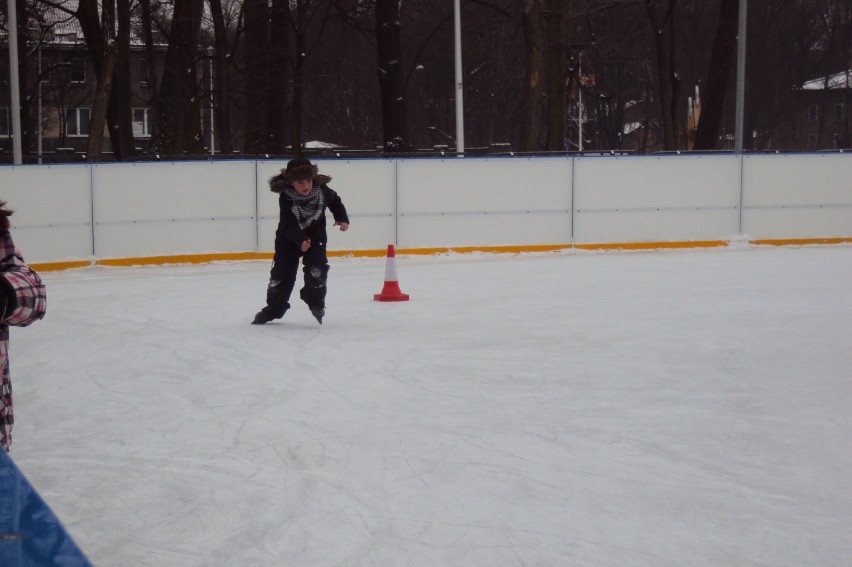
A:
x: 57, y: 25
x: 841, y: 80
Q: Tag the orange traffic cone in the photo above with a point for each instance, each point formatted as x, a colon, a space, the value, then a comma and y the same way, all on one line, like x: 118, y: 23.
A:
x: 391, y: 291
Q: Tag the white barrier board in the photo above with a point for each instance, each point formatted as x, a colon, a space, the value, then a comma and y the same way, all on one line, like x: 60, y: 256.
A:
x: 656, y: 198
x: 101, y: 211
x: 484, y: 202
x: 53, y: 210
x: 801, y: 196
x: 151, y: 209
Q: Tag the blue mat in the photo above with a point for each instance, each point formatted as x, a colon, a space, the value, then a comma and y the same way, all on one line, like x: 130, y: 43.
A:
x: 30, y: 533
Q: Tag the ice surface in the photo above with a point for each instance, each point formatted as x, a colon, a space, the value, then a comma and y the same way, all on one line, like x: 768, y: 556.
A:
x: 607, y: 409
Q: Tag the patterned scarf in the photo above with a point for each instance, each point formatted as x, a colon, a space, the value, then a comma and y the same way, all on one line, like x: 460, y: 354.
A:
x: 307, y: 208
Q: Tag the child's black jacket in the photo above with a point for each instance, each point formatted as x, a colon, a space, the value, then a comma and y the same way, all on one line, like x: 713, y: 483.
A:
x: 289, y: 231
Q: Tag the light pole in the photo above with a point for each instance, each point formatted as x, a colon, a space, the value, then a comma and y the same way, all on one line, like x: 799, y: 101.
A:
x: 459, y: 80
x: 580, y: 103
x: 212, y: 115
x: 39, y: 103
x: 15, y: 87
x: 741, y: 61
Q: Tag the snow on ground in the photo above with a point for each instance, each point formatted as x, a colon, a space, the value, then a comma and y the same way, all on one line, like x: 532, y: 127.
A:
x: 604, y: 409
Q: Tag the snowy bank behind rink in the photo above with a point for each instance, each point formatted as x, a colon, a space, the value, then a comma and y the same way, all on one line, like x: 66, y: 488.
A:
x: 77, y: 214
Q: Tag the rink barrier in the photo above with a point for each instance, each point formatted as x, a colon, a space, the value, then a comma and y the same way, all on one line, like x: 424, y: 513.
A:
x: 248, y: 256
x: 74, y: 215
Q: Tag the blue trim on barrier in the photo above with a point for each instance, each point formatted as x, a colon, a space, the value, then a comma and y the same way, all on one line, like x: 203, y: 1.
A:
x: 30, y: 533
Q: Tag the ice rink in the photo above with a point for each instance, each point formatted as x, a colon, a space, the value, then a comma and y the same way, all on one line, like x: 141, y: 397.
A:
x: 654, y: 409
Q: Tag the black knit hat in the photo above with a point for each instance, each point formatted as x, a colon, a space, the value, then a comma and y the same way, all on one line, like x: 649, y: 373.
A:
x: 300, y: 169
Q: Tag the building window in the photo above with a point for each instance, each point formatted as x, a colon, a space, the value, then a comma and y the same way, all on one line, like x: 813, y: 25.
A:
x: 143, y: 71
x: 78, y: 121
x: 141, y: 123
x: 4, y: 122
x: 46, y: 69
x: 78, y: 70
x: 812, y: 112
x: 838, y: 112
x: 839, y: 141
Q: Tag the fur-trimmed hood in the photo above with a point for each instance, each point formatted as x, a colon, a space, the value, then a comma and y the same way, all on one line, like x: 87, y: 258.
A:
x: 297, y: 169
x: 280, y: 181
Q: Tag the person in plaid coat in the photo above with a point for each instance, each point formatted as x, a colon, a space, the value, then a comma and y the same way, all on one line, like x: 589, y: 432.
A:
x: 22, y: 301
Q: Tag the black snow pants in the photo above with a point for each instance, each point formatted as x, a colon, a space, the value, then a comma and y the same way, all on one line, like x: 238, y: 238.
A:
x: 282, y: 277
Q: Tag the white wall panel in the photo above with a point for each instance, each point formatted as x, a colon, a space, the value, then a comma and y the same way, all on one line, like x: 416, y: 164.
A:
x: 659, y: 198
x: 460, y: 230
x: 652, y: 225
x: 797, y: 196
x: 53, y: 210
x: 484, y: 202
x: 151, y: 209
x: 794, y: 222
x: 73, y: 212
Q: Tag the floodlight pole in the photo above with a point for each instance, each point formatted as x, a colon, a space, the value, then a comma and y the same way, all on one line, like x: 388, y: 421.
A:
x: 212, y: 109
x: 40, y: 134
x: 15, y: 86
x: 741, y: 63
x: 580, y: 105
x: 459, y: 80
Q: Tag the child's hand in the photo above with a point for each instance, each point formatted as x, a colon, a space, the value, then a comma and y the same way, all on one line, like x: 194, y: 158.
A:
x: 344, y: 226
x: 306, y: 244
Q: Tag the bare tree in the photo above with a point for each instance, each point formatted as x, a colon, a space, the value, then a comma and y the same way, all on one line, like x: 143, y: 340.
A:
x: 390, y: 71
x: 281, y: 78
x: 99, y: 108
x: 120, y: 121
x: 222, y: 53
x: 533, y: 79
x: 663, y: 17
x: 256, y: 73
x: 277, y: 107
x: 556, y: 53
x: 146, y: 21
x: 306, y: 16
x: 718, y: 76
x: 109, y: 53
x: 24, y: 22
x: 179, y: 100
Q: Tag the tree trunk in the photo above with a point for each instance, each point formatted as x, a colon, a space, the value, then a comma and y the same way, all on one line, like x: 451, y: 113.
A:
x: 223, y: 79
x: 257, y: 80
x: 100, y: 49
x: 532, y: 92
x: 153, y: 101
x: 668, y: 77
x: 718, y: 76
x: 300, y: 25
x: 99, y: 110
x: 277, y: 101
x: 555, y: 75
x: 189, y: 17
x: 169, y: 139
x: 100, y: 35
x: 180, y: 103
x: 23, y: 74
x: 119, y: 111
x: 391, y: 80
